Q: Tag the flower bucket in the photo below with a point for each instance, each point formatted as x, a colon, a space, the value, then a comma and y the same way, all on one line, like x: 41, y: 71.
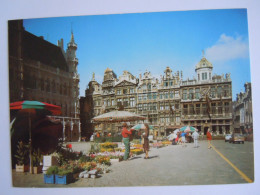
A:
x: 65, y: 179
x: 49, y: 179
x: 22, y: 168
x: 37, y: 170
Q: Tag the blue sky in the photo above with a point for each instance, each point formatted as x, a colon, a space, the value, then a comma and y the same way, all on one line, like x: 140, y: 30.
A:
x: 153, y: 41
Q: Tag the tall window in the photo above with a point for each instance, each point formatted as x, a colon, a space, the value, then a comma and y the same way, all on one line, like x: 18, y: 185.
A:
x: 171, y: 94
x: 154, y: 96
x: 132, y: 90
x: 197, y: 108
x: 161, y: 107
x: 197, y: 93
x: 166, y: 95
x: 191, y: 94
x: 139, y: 106
x: 220, y: 108
x: 140, y: 97
x: 161, y: 95
x: 226, y: 91
x: 125, y: 102
x: 118, y: 92
x: 149, y: 96
x: 191, y: 109
x: 204, y: 76
x: 184, y: 95
x: 213, y: 92
x: 213, y: 108
x: 227, y: 110
x: 124, y: 91
x: 132, y: 102
x: 185, y: 109
x: 219, y: 91
x: 177, y: 94
x: 154, y: 106
x: 144, y: 96
x: 145, y: 106
x: 149, y: 86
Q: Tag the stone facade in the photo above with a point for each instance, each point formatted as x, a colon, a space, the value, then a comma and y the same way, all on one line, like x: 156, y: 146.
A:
x: 42, y: 71
x: 168, y: 102
x: 243, y: 111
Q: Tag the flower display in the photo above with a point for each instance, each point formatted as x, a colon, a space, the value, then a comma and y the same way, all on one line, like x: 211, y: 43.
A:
x: 109, y: 145
x: 102, y: 160
x: 166, y: 143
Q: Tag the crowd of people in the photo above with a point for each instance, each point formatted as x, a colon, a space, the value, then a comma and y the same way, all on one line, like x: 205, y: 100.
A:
x: 176, y: 137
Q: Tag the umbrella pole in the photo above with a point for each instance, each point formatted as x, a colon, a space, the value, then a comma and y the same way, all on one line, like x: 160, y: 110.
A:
x: 30, y: 145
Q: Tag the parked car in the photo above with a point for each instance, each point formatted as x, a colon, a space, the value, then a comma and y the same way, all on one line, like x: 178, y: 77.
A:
x: 227, y: 137
x: 239, y: 138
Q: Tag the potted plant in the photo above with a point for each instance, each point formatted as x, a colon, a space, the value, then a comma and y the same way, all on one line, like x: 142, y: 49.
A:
x: 22, y: 157
x: 49, y: 177
x: 63, y: 176
x: 37, y: 159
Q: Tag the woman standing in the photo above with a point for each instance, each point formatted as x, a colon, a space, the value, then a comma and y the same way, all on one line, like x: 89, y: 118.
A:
x: 146, y: 141
x: 125, y: 133
x: 209, y: 138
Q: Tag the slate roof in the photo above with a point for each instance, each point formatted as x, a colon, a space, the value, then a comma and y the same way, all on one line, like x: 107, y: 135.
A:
x: 38, y: 49
x: 33, y: 47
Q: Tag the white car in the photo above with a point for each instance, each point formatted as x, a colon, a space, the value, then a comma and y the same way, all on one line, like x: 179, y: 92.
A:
x: 228, y: 137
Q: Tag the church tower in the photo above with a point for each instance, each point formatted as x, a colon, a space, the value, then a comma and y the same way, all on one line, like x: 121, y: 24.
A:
x: 72, y: 61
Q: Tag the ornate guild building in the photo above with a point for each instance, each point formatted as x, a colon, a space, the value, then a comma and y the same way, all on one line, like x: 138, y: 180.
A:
x: 243, y: 111
x: 168, y: 102
x: 42, y: 71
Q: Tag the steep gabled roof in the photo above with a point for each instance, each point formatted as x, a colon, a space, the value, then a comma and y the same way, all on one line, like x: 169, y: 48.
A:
x: 38, y: 49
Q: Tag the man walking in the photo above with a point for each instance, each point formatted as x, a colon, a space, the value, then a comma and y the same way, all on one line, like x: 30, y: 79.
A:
x: 195, y: 137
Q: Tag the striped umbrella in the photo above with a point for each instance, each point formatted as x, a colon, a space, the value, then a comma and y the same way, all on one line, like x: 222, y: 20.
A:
x: 117, y: 116
x: 30, y: 108
x: 188, y: 129
x: 141, y: 126
x: 56, y: 110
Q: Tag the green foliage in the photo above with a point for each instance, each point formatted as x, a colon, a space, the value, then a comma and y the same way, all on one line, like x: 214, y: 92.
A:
x: 52, y: 170
x: 22, y: 155
x: 62, y: 171
x: 84, y: 158
x: 64, y: 155
x: 37, y: 158
x: 108, y: 139
x: 94, y: 148
x: 136, y: 141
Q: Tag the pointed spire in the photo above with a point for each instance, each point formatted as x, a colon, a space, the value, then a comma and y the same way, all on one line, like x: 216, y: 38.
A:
x: 72, y: 37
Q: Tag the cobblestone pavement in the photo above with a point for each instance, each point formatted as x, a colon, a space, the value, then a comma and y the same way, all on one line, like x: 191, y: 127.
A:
x: 167, y: 166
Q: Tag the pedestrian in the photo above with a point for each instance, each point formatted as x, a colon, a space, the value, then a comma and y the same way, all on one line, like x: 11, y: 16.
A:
x: 125, y: 133
x: 183, y: 140
x: 195, y: 137
x: 146, y: 140
x: 209, y: 138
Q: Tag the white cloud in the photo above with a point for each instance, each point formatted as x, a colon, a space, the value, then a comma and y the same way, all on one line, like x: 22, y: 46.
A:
x: 228, y: 48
